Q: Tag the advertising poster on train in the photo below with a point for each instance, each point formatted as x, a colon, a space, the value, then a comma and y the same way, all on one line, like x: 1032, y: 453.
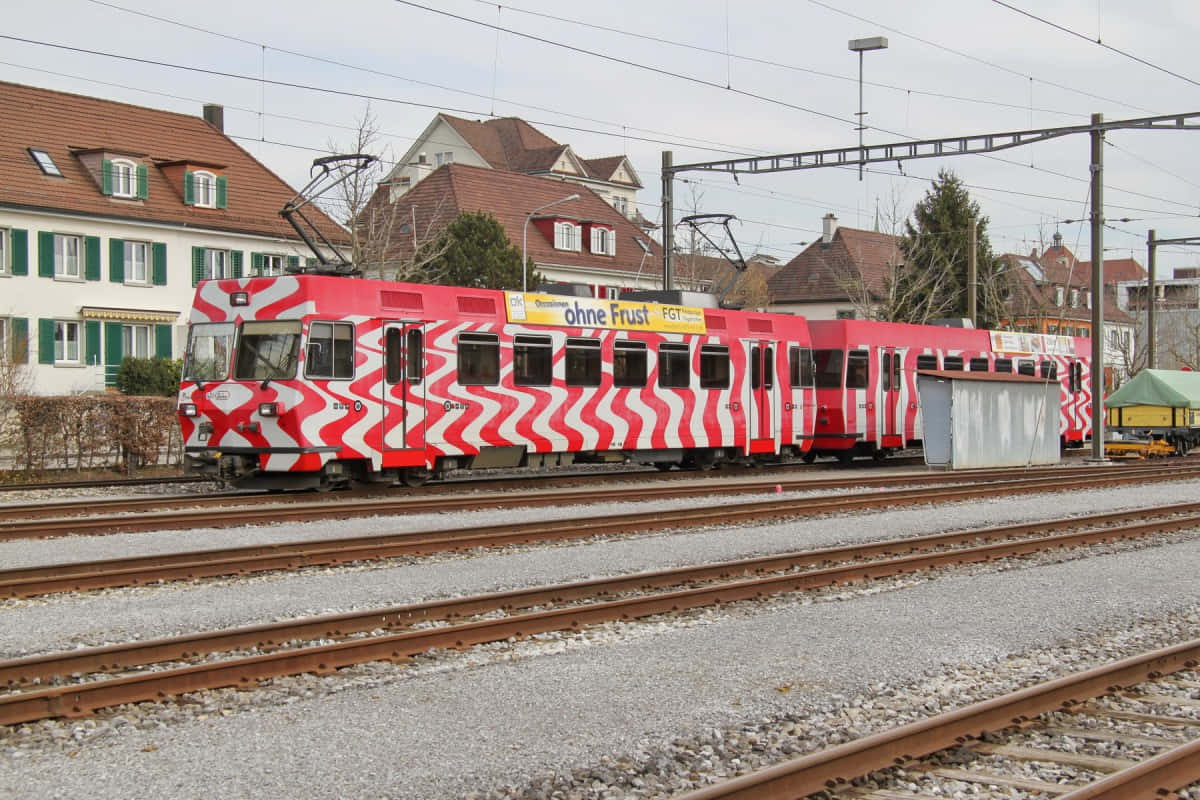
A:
x: 1030, y: 343
x: 589, y: 312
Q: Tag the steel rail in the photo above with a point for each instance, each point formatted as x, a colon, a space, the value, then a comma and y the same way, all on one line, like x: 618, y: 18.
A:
x: 81, y: 699
x: 26, y: 670
x: 1152, y: 778
x: 18, y: 521
x: 80, y: 576
x: 820, y: 771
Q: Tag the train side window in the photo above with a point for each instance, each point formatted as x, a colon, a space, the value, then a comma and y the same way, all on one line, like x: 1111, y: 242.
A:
x: 583, y: 362
x: 714, y: 366
x: 979, y: 365
x: 927, y: 361
x: 674, y: 371
x: 1026, y: 367
x: 885, y: 373
x: 896, y: 385
x: 952, y: 362
x: 768, y: 367
x: 1076, y: 376
x: 416, y: 355
x: 828, y: 364
x: 478, y: 359
x: 532, y: 359
x: 330, y: 351
x: 1004, y: 365
x: 858, y: 372
x: 629, y: 363
x: 800, y: 367
x: 391, y: 355
x: 1049, y: 370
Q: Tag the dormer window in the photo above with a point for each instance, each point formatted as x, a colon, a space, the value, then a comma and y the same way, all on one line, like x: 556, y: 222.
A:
x: 204, y: 189
x: 123, y: 178
x: 1058, y: 295
x: 603, y: 241
x: 44, y: 161
x: 566, y: 236
x: 1074, y: 298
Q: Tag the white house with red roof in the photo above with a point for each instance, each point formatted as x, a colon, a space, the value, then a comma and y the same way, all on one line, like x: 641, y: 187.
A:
x: 109, y: 215
x: 510, y: 144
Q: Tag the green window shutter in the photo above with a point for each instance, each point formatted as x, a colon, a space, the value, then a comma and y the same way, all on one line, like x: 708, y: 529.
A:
x: 189, y: 189
x: 256, y: 263
x: 45, y: 341
x: 20, y: 340
x: 114, y: 344
x: 222, y: 191
x: 197, y: 265
x: 106, y: 176
x: 293, y: 263
x: 116, y: 260
x: 45, y: 255
x: 162, y: 341
x: 235, y: 260
x: 143, y: 182
x: 158, y: 253
x: 19, y: 240
x: 91, y: 341
x: 91, y: 258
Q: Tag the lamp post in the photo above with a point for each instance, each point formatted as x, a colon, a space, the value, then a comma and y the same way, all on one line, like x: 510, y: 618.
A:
x: 525, y: 235
x: 860, y: 46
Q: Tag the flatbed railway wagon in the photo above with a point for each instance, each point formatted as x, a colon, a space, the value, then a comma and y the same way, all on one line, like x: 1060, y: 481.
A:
x: 318, y: 381
x: 1156, y: 406
x: 867, y: 402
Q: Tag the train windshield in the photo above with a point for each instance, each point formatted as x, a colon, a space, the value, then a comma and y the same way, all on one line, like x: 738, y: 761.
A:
x: 267, y: 351
x: 208, y: 351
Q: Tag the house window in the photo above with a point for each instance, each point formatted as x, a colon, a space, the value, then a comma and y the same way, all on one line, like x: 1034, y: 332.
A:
x: 621, y: 204
x: 66, y: 342
x: 204, y: 186
x: 4, y: 256
x: 124, y: 179
x: 566, y: 236
x: 3, y: 339
x: 1074, y: 298
x: 44, y: 161
x: 135, y: 340
x: 136, y: 260
x: 845, y: 314
x: 216, y: 264
x: 67, y: 256
x: 446, y: 157
x: 271, y: 265
x: 604, y: 241
x: 1058, y: 295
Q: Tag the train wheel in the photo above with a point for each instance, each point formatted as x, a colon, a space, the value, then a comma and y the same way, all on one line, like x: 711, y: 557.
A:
x: 415, y: 477
x: 809, y: 456
x: 663, y: 466
x: 845, y: 456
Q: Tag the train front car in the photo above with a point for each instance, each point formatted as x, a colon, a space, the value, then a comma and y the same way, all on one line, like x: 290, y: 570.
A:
x: 255, y: 410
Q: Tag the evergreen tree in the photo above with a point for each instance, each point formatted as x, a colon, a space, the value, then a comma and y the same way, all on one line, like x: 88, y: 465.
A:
x: 932, y: 282
x: 474, y: 251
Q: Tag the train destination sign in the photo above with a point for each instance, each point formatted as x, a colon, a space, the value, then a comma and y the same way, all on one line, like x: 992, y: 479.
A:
x: 588, y: 312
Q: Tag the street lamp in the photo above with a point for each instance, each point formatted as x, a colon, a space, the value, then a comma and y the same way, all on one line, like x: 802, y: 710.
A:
x: 860, y: 46
x: 525, y: 235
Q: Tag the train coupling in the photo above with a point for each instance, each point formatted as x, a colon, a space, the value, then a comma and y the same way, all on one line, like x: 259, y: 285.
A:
x: 220, y: 466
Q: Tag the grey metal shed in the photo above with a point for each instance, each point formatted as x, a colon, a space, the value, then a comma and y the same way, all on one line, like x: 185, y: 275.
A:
x: 985, y: 419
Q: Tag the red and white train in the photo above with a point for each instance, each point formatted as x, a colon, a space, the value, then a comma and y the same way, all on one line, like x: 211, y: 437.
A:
x: 316, y: 381
x: 866, y: 379
x: 306, y: 381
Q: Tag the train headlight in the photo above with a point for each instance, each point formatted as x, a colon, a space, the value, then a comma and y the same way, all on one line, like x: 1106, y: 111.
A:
x: 239, y: 299
x: 189, y: 410
x: 268, y: 409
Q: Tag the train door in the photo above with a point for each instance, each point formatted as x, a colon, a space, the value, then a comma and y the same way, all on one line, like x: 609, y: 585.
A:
x: 890, y: 399
x: 763, y: 416
x: 1074, y: 407
x: 404, y: 394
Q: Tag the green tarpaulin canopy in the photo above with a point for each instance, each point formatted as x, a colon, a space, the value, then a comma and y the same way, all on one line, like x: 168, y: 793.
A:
x: 1158, y: 387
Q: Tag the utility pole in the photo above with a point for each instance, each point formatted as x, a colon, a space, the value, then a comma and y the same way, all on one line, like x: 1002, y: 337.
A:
x: 668, y: 213
x: 972, y: 274
x: 1097, y: 220
x: 1151, y: 344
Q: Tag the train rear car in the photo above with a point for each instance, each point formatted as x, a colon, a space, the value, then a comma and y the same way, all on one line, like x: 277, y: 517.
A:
x: 867, y: 402
x: 317, y: 381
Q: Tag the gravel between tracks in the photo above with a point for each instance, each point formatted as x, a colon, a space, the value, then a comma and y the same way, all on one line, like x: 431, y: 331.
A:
x: 617, y: 706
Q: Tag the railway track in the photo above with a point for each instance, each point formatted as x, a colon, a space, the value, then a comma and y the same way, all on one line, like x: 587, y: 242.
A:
x: 91, y: 483
x: 102, y: 677
x: 140, y: 570
x: 1143, y: 707
x: 46, y: 520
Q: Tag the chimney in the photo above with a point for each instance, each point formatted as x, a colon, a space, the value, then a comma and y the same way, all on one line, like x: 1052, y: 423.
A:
x: 828, y: 227
x: 1057, y: 239
x: 215, y: 115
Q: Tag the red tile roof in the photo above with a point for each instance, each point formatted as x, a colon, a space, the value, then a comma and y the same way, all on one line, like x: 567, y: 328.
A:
x: 509, y: 197
x: 67, y: 126
x: 822, y: 272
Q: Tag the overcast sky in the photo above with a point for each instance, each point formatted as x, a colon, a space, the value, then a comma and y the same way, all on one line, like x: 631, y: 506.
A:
x: 707, y: 79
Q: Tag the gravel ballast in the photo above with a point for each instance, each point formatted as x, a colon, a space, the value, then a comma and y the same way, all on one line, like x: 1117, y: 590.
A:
x: 511, y: 714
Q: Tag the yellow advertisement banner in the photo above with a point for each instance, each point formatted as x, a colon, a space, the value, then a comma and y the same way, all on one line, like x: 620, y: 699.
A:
x: 1012, y: 342
x: 588, y: 312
